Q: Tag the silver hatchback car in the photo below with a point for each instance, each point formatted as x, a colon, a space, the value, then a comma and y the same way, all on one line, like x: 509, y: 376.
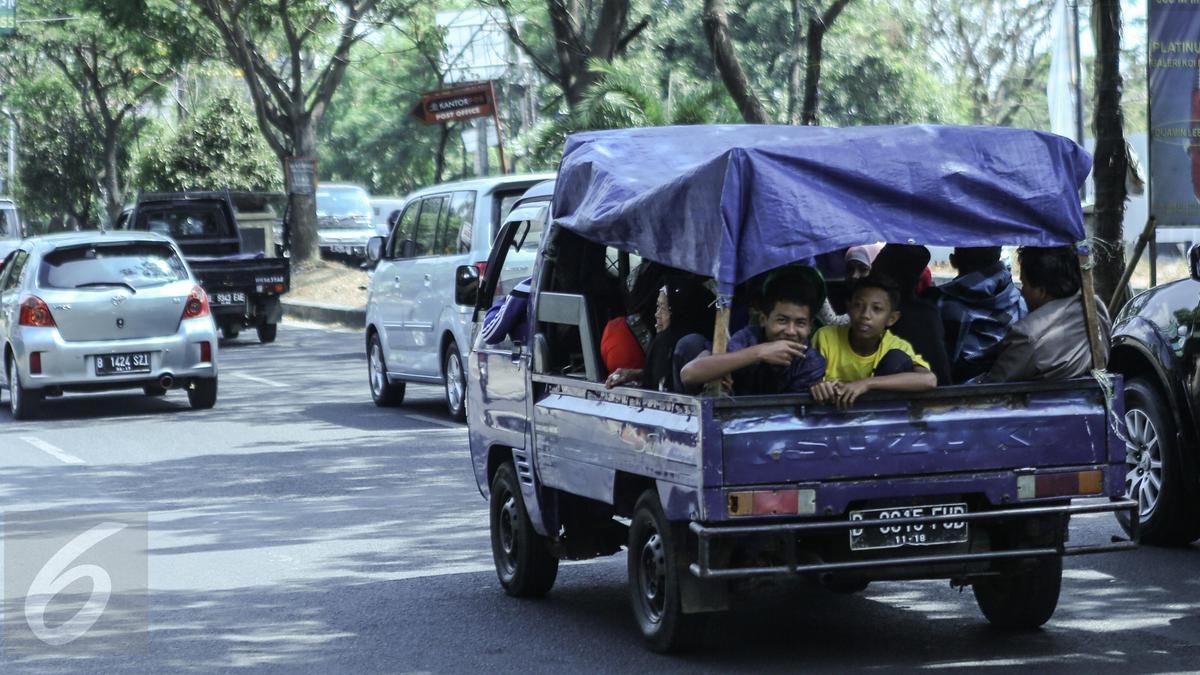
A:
x: 95, y: 311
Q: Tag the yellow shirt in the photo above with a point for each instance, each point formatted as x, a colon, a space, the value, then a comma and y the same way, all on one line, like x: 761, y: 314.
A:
x: 844, y: 365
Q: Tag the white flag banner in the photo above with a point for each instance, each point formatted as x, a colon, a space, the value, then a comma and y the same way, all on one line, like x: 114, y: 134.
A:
x: 1060, y: 88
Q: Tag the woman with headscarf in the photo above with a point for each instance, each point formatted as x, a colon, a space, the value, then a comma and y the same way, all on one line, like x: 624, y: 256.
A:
x: 684, y: 307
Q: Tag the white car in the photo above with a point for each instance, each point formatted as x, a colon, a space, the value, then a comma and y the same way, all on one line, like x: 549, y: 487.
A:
x: 95, y: 311
x: 343, y: 221
x: 420, y: 302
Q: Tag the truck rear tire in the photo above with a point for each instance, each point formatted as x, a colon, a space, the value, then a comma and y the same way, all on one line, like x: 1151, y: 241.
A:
x: 524, y: 564
x: 1021, y: 601
x: 655, y: 561
x: 1169, y: 512
x: 266, y: 332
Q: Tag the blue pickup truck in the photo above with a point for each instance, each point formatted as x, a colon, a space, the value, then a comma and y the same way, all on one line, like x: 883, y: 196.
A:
x: 968, y: 483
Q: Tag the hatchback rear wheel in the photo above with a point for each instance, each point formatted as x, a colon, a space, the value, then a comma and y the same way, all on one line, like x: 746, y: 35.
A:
x: 203, y: 393
x: 23, y: 403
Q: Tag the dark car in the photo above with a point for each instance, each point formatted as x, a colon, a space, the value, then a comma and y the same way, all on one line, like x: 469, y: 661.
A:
x: 1156, y: 346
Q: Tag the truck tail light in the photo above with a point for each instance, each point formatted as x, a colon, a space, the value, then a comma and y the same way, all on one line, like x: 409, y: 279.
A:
x: 1068, y: 484
x: 771, y: 502
x: 35, y: 313
x: 35, y: 363
x: 196, y: 305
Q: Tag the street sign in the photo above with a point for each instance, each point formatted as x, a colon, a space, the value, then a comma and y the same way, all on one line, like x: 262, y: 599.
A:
x: 459, y: 103
x: 8, y: 17
x: 301, y: 175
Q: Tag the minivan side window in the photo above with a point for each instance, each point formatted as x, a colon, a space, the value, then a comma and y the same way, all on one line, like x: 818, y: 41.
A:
x: 455, y: 236
x: 406, y: 225
x: 427, y: 225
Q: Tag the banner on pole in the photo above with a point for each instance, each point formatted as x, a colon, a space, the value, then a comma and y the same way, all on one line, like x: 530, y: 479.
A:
x: 8, y: 17
x: 1173, y: 70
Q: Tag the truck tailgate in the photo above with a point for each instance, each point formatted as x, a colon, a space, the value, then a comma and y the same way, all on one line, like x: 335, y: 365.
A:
x: 951, y: 430
x: 241, y: 274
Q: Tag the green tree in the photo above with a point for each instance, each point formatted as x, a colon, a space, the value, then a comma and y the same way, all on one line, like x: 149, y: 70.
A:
x: 293, y: 55
x: 217, y: 147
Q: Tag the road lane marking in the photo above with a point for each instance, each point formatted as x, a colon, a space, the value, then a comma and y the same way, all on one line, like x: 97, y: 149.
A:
x: 260, y: 380
x: 434, y: 420
x: 52, y: 450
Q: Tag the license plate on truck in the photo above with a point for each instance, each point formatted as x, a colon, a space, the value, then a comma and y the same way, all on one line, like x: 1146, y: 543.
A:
x: 234, y: 298
x: 895, y: 536
x: 121, y: 364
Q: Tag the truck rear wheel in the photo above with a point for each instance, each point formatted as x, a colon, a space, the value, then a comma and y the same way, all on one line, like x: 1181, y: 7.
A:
x: 523, y: 560
x: 1168, y: 512
x: 266, y: 332
x: 1023, y: 600
x: 656, y: 552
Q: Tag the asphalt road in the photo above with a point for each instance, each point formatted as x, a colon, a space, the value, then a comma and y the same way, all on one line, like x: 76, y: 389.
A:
x: 297, y: 528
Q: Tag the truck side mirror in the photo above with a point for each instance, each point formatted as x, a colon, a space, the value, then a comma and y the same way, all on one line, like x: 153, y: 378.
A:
x: 1194, y: 261
x: 466, y: 285
x: 375, y: 249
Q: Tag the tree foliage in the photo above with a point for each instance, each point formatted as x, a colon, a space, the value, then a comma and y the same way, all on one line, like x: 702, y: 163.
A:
x: 218, y: 147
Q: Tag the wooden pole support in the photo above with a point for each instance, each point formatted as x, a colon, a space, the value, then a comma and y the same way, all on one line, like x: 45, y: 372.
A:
x: 1098, y: 348
x: 1143, y: 239
x: 720, y: 345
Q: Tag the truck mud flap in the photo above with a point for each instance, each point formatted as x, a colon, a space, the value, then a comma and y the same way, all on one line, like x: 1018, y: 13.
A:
x: 703, y: 568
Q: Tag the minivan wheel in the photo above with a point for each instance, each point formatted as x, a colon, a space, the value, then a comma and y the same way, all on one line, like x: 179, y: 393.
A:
x: 456, y: 383
x: 383, y: 392
x: 23, y: 404
x: 1168, y: 512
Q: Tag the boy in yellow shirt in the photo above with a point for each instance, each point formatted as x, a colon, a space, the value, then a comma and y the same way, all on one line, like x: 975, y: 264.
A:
x: 864, y: 355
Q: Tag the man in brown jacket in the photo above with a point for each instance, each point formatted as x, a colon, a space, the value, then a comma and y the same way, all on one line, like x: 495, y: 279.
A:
x: 1051, y: 342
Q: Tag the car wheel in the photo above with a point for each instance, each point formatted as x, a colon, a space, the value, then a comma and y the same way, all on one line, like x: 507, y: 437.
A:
x: 456, y: 383
x: 23, y: 404
x: 654, y: 565
x: 1168, y: 512
x: 266, y: 333
x: 230, y: 332
x: 383, y: 392
x: 523, y: 560
x: 1021, y: 601
x: 203, y: 393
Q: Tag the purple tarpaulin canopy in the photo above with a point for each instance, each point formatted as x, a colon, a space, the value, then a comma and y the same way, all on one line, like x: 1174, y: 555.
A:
x: 732, y: 201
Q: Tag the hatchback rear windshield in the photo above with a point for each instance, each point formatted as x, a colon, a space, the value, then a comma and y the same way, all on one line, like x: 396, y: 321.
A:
x: 133, y: 265
x: 185, y: 221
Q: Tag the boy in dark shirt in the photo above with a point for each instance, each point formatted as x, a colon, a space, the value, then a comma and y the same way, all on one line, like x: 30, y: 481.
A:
x: 773, y: 358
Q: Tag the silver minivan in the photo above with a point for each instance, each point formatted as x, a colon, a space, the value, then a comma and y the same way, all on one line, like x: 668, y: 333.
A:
x: 421, y: 297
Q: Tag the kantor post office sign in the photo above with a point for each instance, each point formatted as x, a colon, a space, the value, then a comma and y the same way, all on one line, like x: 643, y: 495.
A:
x: 459, y: 103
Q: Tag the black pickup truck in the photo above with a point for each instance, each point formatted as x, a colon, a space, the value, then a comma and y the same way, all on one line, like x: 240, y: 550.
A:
x: 243, y: 285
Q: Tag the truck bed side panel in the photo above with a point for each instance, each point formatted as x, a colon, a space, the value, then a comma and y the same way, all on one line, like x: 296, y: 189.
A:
x: 900, y: 438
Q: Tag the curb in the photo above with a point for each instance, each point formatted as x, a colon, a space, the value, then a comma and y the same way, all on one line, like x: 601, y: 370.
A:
x: 319, y: 313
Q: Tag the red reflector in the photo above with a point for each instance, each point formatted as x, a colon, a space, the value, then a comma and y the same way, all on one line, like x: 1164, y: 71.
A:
x: 278, y: 288
x: 35, y: 363
x: 783, y: 501
x: 206, y: 352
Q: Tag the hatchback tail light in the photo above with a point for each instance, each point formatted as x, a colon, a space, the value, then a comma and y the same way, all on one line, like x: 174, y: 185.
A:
x: 205, y: 352
x: 196, y: 305
x: 35, y: 363
x: 35, y: 313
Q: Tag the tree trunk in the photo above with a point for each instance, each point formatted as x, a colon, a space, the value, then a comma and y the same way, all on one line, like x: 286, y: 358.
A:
x: 114, y: 196
x: 716, y: 28
x: 302, y: 209
x: 440, y: 160
x: 1111, y: 158
x: 812, y: 78
x: 798, y: 40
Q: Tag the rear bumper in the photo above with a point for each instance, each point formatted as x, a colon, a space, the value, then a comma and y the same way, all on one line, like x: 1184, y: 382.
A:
x: 70, y: 364
x: 709, y: 536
